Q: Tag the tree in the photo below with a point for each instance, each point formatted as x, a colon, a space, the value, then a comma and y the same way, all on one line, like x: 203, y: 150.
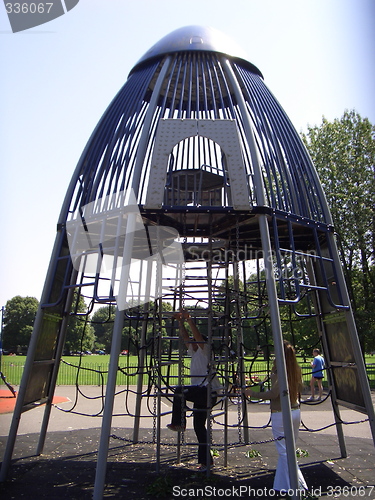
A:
x: 19, y: 316
x: 80, y: 334
x: 102, y: 323
x: 241, y: 301
x: 344, y: 154
x: 103, y: 319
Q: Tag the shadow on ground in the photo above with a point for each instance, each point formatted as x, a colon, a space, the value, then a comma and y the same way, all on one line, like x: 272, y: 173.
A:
x: 131, y: 474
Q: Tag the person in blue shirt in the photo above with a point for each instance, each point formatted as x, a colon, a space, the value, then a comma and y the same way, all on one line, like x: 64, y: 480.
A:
x: 317, y: 375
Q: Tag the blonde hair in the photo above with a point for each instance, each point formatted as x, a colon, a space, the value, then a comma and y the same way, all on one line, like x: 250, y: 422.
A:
x: 293, y: 371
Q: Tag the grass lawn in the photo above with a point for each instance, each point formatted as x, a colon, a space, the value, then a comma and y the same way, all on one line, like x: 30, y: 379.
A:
x: 92, y: 369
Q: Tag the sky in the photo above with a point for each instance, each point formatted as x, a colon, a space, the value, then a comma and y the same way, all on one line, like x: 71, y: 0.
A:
x: 57, y: 79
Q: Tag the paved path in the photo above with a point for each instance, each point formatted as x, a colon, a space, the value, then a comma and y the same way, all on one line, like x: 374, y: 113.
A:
x: 89, y: 402
x: 72, y: 440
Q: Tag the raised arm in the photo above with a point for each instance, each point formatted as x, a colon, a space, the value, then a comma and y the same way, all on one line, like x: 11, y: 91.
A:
x: 183, y: 332
x: 185, y: 316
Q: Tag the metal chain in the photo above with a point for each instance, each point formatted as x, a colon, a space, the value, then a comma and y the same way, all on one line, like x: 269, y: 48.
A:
x: 239, y: 416
x: 183, y: 279
x: 156, y: 340
x: 211, y: 354
x: 181, y: 359
x: 154, y: 434
x: 237, y: 323
x: 219, y: 446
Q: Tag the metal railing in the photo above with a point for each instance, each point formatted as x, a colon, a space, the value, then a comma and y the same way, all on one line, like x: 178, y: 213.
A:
x: 96, y: 374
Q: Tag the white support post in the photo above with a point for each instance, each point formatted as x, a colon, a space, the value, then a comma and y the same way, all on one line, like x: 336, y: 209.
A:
x: 142, y: 354
x: 271, y: 285
x: 279, y: 356
x: 121, y: 299
x: 113, y: 361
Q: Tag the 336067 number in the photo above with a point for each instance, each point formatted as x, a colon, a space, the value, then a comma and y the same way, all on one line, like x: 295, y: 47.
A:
x: 29, y: 8
x: 350, y: 491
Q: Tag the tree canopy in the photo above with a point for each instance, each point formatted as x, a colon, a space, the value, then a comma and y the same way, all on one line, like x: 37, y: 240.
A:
x: 18, y: 321
x: 343, y: 152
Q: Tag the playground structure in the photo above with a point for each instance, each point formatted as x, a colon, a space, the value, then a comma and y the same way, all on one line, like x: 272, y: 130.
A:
x: 195, y: 190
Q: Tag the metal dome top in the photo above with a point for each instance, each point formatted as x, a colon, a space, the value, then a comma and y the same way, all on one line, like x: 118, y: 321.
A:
x: 196, y: 38
x: 196, y: 127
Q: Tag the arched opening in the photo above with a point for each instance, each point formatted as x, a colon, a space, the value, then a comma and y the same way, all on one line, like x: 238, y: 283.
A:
x: 197, y: 179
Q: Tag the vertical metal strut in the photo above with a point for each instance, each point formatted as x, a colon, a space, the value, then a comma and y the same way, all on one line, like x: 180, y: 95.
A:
x: 271, y: 287
x: 119, y: 318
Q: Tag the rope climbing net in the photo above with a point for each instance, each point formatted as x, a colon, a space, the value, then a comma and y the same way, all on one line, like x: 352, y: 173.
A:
x: 227, y: 298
